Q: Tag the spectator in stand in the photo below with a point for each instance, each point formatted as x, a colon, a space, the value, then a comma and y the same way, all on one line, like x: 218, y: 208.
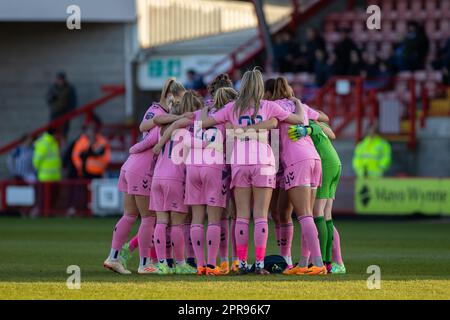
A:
x: 46, y: 157
x: 321, y: 68
x: 296, y: 58
x: 356, y: 65
x: 299, y: 60
x: 91, y: 153
x: 314, y: 42
x: 61, y: 98
x: 343, y: 51
x: 77, y: 195
x: 388, y: 59
x: 237, y: 75
x: 194, y: 81
x: 415, y: 47
x: 282, y: 47
x: 371, y: 69
x: 20, y: 161
x: 333, y: 67
x: 442, y: 61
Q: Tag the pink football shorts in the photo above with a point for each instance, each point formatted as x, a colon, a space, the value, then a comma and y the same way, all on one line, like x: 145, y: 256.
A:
x: 134, y: 184
x: 257, y: 175
x: 206, y: 186
x: 306, y: 173
x: 167, y: 195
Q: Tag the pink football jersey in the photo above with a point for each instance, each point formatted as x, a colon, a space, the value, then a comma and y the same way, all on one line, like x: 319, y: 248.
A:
x: 247, y: 151
x: 170, y: 164
x: 303, y: 149
x: 207, y: 145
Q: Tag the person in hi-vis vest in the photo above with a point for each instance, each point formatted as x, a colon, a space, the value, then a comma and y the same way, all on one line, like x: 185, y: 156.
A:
x: 46, y: 157
x: 372, y: 157
x: 91, y: 153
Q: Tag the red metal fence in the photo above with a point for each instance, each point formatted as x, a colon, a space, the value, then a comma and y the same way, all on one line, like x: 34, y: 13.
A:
x: 62, y: 198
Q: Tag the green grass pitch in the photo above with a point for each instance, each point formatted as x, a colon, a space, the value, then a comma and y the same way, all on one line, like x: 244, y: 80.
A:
x: 414, y: 257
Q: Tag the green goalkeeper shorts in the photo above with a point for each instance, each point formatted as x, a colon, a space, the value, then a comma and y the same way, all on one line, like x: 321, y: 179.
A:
x: 330, y: 181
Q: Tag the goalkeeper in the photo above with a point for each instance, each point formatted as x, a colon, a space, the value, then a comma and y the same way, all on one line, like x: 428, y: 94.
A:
x: 321, y: 134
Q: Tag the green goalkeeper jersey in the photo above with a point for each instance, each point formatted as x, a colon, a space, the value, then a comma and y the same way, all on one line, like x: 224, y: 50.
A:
x: 324, y: 147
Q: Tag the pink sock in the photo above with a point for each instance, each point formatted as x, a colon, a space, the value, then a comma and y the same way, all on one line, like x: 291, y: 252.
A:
x: 122, y: 230
x: 145, y: 236
x: 160, y: 240
x: 224, y: 236
x: 278, y: 235
x: 188, y: 242
x: 198, y: 239
x: 169, y: 244
x: 153, y: 255
x: 134, y: 243
x: 241, y: 235
x: 311, y: 235
x: 305, y: 250
x: 304, y: 255
x: 337, y: 247
x: 286, y: 235
x: 213, y: 241
x: 233, y: 238
x: 260, y: 238
x: 177, y: 236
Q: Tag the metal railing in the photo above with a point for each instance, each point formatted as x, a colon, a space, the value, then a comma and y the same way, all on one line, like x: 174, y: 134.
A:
x: 110, y: 93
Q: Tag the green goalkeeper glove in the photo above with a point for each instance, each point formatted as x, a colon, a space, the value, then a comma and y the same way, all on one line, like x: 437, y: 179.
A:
x: 297, y: 132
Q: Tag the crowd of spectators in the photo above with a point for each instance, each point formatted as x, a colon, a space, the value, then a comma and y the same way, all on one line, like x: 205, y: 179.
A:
x: 347, y: 58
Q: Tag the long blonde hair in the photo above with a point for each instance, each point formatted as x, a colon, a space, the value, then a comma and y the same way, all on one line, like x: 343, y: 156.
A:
x: 190, y: 102
x: 171, y: 87
x: 282, y: 89
x: 223, y: 96
x: 251, y: 92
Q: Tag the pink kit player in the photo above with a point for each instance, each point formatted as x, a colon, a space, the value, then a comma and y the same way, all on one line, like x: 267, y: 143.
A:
x: 302, y: 173
x: 167, y: 192
x: 135, y: 181
x: 252, y: 163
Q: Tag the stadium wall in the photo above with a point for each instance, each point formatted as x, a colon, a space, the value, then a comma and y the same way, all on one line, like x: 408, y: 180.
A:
x: 32, y: 53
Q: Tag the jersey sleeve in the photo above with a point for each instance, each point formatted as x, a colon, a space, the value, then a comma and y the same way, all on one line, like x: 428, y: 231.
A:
x: 153, y: 111
x: 311, y: 113
x: 148, y: 142
x: 277, y: 112
x: 317, y: 129
x: 223, y: 115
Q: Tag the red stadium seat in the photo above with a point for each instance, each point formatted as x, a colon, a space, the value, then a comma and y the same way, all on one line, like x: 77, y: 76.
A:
x: 430, y: 5
x: 400, y: 27
x: 347, y: 16
x: 435, y: 76
x: 444, y: 26
x: 387, y: 26
x: 361, y: 37
x: 332, y: 37
x: 430, y: 26
x: 357, y: 27
x: 330, y: 26
x: 387, y: 5
x: 420, y: 75
x: 402, y: 6
x: 417, y: 10
x: 404, y: 75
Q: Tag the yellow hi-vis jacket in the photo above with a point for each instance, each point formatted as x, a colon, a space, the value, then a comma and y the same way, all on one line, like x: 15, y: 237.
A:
x: 372, y: 157
x: 46, y: 158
